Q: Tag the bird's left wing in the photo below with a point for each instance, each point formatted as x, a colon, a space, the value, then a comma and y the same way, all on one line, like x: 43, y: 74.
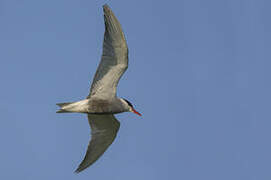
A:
x: 104, y: 129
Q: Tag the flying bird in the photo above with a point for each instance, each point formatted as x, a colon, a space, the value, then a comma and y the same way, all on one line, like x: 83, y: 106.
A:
x: 102, y: 102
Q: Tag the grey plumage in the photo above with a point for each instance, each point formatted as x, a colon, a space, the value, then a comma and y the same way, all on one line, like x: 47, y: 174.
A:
x: 102, y: 103
x: 114, y: 60
x: 104, y: 129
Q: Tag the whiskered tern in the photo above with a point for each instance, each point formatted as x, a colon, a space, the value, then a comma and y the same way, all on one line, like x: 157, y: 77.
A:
x: 102, y: 103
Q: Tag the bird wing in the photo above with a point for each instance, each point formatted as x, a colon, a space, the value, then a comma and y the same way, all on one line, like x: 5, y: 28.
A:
x: 104, y: 129
x: 114, y: 61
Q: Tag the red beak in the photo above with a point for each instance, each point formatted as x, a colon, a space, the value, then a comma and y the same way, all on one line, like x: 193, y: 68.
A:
x: 134, y: 111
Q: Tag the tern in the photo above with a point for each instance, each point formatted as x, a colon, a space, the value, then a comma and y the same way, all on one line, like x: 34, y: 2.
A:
x: 102, y: 102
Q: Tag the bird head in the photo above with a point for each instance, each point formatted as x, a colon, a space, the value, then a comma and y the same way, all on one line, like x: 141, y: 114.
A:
x: 130, y: 107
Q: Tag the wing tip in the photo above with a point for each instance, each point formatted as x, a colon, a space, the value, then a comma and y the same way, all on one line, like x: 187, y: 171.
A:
x: 106, y: 8
x: 80, y: 168
x: 77, y: 170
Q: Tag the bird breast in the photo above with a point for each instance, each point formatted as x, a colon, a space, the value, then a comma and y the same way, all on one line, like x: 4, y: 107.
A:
x: 100, y: 106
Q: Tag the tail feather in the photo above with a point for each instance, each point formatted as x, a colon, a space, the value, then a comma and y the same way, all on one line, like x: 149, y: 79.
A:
x: 62, y: 111
x: 61, y: 105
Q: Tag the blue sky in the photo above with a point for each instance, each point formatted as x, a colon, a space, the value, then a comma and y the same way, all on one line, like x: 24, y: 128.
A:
x: 199, y: 73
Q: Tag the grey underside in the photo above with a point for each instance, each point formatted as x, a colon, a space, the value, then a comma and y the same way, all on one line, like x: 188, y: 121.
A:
x: 114, y: 62
x: 93, y: 106
x: 104, y: 129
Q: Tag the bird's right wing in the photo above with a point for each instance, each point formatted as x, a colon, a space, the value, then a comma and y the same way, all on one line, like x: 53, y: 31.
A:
x: 104, y: 129
x: 114, y: 60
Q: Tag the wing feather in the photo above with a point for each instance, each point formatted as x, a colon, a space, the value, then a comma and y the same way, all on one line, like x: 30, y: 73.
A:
x: 104, y: 129
x: 114, y: 61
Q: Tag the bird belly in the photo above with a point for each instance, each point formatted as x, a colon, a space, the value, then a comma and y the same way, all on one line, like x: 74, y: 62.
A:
x: 79, y: 106
x: 99, y: 106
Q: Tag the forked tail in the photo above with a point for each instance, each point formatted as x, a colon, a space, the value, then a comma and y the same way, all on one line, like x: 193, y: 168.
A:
x: 62, y: 105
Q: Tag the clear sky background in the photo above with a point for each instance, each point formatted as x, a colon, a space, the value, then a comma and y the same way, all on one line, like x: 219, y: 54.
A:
x: 199, y: 73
